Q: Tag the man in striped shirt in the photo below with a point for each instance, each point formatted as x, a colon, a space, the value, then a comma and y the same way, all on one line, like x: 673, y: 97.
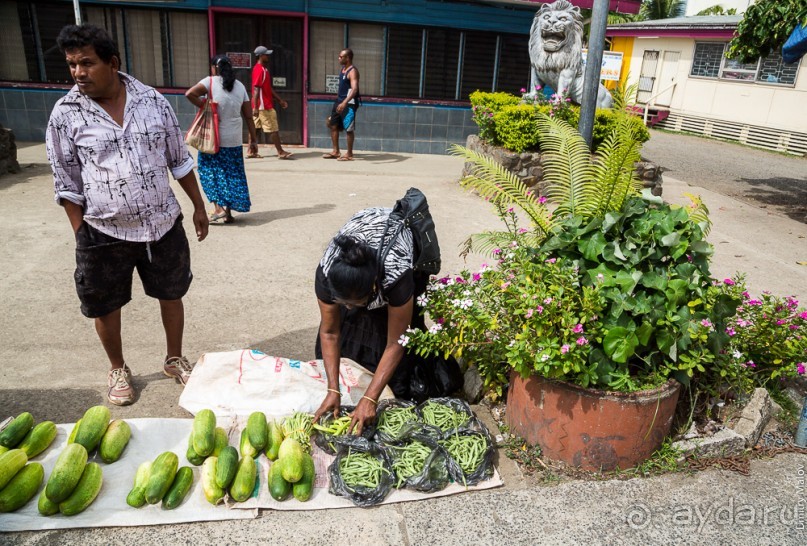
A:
x: 110, y: 142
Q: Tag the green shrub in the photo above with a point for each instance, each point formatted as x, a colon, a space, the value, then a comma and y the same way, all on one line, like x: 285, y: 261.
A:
x: 509, y: 121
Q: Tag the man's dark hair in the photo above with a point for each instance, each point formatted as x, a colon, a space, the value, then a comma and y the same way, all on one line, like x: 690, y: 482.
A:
x: 78, y: 36
x: 349, y: 53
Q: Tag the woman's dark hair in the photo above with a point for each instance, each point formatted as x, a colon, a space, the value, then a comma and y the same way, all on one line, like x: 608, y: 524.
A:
x: 77, y: 36
x: 353, y: 273
x: 225, y: 69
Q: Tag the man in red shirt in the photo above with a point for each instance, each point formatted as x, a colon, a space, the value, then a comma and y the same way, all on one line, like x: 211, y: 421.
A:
x: 263, y: 99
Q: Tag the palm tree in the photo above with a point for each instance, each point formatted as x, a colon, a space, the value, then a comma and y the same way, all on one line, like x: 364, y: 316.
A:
x: 717, y: 10
x: 661, y: 9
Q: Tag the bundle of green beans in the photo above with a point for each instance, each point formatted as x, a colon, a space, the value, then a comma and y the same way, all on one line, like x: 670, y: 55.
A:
x: 299, y: 426
x: 409, y: 460
x: 443, y: 417
x: 361, y: 470
x: 393, y: 419
x: 336, y: 427
x: 468, y: 450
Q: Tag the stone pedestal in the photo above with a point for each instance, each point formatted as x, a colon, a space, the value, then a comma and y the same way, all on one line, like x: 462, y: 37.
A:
x: 8, y: 152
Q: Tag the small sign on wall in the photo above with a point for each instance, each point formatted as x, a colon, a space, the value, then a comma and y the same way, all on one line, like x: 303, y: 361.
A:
x: 611, y: 65
x: 240, y: 60
x: 332, y: 83
x: 278, y: 82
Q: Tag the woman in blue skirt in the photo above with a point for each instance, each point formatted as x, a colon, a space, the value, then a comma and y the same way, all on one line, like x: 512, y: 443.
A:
x: 222, y: 174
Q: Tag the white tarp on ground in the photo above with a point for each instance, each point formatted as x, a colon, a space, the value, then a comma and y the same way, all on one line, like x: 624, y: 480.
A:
x: 242, y: 381
x: 150, y: 437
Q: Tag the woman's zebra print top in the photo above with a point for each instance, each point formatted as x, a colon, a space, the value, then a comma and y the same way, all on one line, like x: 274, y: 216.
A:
x: 368, y: 226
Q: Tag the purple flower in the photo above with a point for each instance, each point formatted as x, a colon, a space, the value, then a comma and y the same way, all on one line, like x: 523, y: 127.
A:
x: 728, y: 282
x: 476, y: 277
x: 444, y: 280
x: 754, y: 302
x: 542, y: 199
x: 800, y: 368
x: 750, y: 364
x: 522, y: 230
x: 564, y: 349
x: 578, y: 329
x: 523, y: 90
x: 540, y: 309
x: 582, y: 341
x: 730, y: 331
x: 529, y: 313
x: 459, y: 280
x: 780, y: 322
x: 803, y: 316
x: 537, y: 87
x: 551, y: 260
x: 497, y: 251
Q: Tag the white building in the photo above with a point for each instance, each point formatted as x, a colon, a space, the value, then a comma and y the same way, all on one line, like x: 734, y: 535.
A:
x: 681, y: 69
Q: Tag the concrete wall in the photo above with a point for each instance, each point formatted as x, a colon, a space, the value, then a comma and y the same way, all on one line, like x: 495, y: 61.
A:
x: 379, y: 127
x: 773, y: 106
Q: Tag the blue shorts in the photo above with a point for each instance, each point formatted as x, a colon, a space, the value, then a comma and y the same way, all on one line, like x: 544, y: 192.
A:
x: 346, y: 121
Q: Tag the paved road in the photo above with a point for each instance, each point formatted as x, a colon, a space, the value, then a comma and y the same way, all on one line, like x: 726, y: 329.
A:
x: 765, y: 179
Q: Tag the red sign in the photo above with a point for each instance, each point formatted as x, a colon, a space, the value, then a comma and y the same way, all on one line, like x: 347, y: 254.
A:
x: 240, y: 60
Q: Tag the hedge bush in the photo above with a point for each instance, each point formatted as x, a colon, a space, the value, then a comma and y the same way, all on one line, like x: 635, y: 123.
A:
x: 505, y: 120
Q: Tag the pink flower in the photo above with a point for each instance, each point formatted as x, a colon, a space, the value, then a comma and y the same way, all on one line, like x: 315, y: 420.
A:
x: 542, y: 199
x: 803, y: 316
x: 547, y: 301
x: 746, y: 295
x: 529, y: 313
x: 444, y: 280
x: 523, y: 90
x: 730, y: 331
x: 441, y: 321
x: 750, y: 364
x: 522, y: 230
x: 459, y: 280
x: 497, y: 251
x: 578, y: 329
x: 582, y: 341
x: 689, y: 257
x: 780, y: 322
x: 728, y: 282
x: 511, y: 209
x: 551, y: 260
x: 706, y: 323
x: 800, y: 368
x: 537, y: 87
x: 540, y: 309
x: 505, y: 285
x: 564, y: 349
x: 754, y: 302
x: 476, y: 277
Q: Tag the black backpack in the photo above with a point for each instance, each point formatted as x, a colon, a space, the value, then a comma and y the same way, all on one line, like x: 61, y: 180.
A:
x: 412, y: 211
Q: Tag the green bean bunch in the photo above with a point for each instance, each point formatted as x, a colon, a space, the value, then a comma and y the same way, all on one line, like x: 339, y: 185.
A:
x: 393, y: 419
x: 409, y: 460
x: 337, y: 427
x: 361, y: 470
x: 443, y: 417
x: 299, y: 427
x: 467, y: 449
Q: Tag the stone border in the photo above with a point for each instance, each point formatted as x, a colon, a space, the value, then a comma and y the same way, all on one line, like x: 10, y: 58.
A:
x: 528, y: 166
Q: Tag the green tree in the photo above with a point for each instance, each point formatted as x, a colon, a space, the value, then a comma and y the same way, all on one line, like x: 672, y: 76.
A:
x: 718, y: 10
x: 661, y: 9
x: 765, y: 27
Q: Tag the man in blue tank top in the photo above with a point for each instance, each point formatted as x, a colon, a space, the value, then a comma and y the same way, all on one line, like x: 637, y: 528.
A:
x: 343, y: 115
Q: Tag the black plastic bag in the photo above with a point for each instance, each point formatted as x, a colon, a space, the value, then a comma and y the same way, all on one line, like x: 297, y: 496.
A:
x: 327, y: 442
x: 435, y: 475
x: 382, y: 433
x: 434, y: 376
x: 482, y: 471
x: 460, y: 407
x: 360, y: 495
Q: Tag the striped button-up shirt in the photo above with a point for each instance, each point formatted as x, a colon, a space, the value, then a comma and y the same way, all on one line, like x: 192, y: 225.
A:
x: 119, y: 175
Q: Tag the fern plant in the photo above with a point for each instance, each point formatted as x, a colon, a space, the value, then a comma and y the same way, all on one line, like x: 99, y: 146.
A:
x: 647, y: 261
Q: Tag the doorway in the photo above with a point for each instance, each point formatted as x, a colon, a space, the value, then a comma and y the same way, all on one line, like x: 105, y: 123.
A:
x: 238, y: 35
x: 669, y: 70
x: 647, y: 76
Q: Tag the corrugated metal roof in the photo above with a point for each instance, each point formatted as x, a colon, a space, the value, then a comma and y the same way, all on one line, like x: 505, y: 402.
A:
x: 695, y: 22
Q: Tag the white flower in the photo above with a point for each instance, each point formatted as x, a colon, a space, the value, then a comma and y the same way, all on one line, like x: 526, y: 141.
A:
x: 423, y: 300
x: 512, y: 342
x: 403, y: 340
x: 462, y: 304
x: 737, y: 354
x: 544, y: 357
x: 435, y: 328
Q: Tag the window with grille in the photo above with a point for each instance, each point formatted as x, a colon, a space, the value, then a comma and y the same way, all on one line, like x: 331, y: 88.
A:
x: 709, y: 61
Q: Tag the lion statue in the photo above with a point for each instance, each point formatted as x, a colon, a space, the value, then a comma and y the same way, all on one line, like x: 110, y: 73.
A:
x: 556, y: 51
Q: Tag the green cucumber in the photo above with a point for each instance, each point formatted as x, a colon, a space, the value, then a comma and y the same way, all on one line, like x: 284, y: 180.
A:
x: 213, y: 493
x: 226, y: 467
x: 21, y: 488
x: 278, y: 487
x: 66, y: 472
x: 11, y: 462
x: 85, y: 492
x: 92, y: 428
x: 163, y: 471
x: 16, y: 430
x: 291, y: 460
x: 221, y: 441
x: 179, y: 489
x: 303, y: 489
x: 115, y: 438
x: 275, y: 439
x: 137, y: 496
x: 204, y: 432
x: 244, y: 482
x: 257, y: 430
x: 247, y: 449
x: 39, y: 439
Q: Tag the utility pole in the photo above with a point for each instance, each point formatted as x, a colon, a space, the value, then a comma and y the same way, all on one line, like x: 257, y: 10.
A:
x: 591, y: 82
x: 77, y: 11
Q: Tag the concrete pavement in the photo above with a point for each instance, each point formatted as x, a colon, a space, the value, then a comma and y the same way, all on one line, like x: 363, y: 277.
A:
x: 253, y: 288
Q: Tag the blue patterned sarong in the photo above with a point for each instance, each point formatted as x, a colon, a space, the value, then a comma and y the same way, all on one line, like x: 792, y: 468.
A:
x: 223, y: 178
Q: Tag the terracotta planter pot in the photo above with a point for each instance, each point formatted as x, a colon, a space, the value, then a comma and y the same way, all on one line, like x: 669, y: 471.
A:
x: 587, y: 428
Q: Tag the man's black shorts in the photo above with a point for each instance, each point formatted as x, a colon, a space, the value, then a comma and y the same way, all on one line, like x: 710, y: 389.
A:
x: 104, y: 268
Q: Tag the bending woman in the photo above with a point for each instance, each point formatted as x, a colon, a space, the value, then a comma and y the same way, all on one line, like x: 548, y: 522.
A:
x: 222, y: 174
x: 365, y: 308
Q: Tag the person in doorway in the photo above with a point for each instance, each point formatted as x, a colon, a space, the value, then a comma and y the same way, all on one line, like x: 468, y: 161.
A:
x: 111, y: 142
x: 365, y: 307
x: 343, y: 115
x: 263, y: 102
x: 222, y: 174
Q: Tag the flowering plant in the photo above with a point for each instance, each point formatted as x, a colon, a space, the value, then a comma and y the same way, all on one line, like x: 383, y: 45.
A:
x: 527, y: 311
x: 768, y: 336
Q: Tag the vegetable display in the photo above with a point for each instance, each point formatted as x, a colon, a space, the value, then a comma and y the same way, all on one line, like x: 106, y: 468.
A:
x: 361, y: 470
x: 409, y: 460
x: 299, y: 427
x: 442, y: 416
